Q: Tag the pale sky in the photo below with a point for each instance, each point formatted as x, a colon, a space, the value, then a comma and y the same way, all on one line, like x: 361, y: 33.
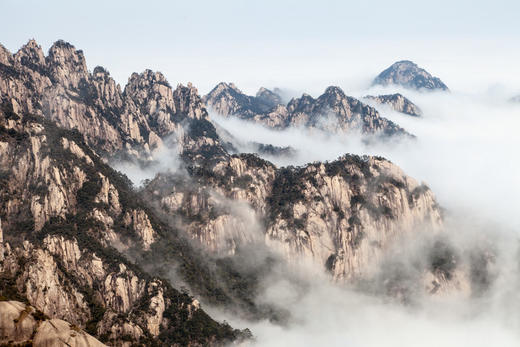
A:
x: 303, y: 45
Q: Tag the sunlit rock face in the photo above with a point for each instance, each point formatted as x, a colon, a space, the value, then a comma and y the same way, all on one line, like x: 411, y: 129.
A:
x: 341, y: 215
x: 75, y: 235
x: 22, y: 324
x: 68, y: 221
x: 332, y: 111
x: 347, y: 217
x: 397, y: 102
x: 129, y: 122
x: 407, y: 74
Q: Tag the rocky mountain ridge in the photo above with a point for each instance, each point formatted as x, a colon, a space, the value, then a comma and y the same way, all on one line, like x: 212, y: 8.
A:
x: 332, y: 111
x: 407, y: 74
x: 69, y: 223
x: 80, y: 244
x: 130, y: 122
x: 397, y: 102
x: 22, y: 324
x: 342, y: 214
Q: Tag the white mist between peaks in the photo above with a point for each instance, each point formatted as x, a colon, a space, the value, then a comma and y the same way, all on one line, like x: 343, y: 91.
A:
x: 466, y: 149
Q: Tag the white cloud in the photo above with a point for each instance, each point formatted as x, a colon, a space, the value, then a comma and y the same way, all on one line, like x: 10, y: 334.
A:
x: 467, y: 151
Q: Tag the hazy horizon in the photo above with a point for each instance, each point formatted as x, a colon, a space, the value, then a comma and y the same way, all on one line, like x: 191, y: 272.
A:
x: 296, y: 45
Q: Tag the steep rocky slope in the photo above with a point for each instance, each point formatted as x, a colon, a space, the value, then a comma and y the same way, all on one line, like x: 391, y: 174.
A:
x: 342, y: 214
x: 80, y: 244
x: 269, y: 98
x: 21, y: 324
x: 332, y: 111
x: 397, y: 102
x: 69, y: 222
x: 407, y: 74
x: 227, y: 99
x: 353, y: 217
x: 131, y: 122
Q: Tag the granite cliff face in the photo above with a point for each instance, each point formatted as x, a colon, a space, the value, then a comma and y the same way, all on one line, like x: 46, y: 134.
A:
x: 332, y: 111
x: 397, y: 102
x: 68, y: 223
x: 80, y: 244
x: 407, y: 74
x: 22, y: 324
x: 227, y: 99
x: 341, y: 214
x: 269, y: 98
x: 130, y: 122
x: 345, y: 216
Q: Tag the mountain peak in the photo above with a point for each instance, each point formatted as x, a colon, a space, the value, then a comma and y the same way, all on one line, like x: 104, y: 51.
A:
x: 405, y: 63
x: 268, y: 97
x: 144, y: 79
x: 61, y: 49
x: 66, y: 64
x: 398, y: 102
x: 32, y: 53
x: 409, y: 75
x: 100, y: 70
x: 334, y: 91
x: 5, y: 55
x: 225, y: 86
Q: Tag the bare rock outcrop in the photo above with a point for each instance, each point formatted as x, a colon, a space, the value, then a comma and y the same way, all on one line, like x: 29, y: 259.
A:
x: 114, y: 122
x: 23, y: 324
x: 332, y: 111
x: 342, y: 215
x: 407, y: 74
x: 65, y: 214
x: 268, y: 97
x: 397, y: 102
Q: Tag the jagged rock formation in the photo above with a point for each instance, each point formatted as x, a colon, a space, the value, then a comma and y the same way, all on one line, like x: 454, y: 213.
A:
x: 67, y: 221
x: 133, y: 121
x: 342, y: 214
x: 79, y: 244
x: 21, y: 324
x: 227, y: 99
x: 397, y: 102
x: 407, y: 74
x: 332, y: 111
x: 347, y: 216
x: 269, y: 98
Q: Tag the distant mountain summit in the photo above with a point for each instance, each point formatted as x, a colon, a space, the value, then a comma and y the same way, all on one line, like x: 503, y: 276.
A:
x: 331, y: 111
x: 409, y: 75
x: 398, y: 102
x: 268, y: 97
x: 227, y: 99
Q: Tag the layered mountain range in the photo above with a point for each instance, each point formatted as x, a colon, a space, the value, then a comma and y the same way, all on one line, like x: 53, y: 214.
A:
x: 83, y: 251
x: 133, y: 121
x: 397, y: 102
x: 332, y: 111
